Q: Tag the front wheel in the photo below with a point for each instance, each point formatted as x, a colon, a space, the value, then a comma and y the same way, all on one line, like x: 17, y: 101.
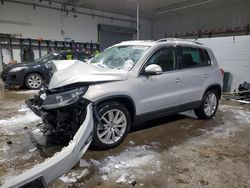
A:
x: 113, y: 127
x: 33, y: 81
x: 209, y: 105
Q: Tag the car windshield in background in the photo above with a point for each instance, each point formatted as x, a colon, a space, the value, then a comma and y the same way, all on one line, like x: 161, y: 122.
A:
x: 119, y: 57
x: 46, y: 58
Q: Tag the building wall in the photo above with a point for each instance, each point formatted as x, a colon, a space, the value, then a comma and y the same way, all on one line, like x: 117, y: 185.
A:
x: 233, y: 55
x: 48, y: 24
x: 217, y: 14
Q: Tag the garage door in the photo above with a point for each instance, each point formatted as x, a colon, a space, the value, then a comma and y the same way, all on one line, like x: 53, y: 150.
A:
x: 110, y: 35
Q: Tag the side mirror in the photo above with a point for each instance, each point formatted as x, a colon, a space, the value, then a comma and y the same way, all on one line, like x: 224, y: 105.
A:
x: 153, y: 69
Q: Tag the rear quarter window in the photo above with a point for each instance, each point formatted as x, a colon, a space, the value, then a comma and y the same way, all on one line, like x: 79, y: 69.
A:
x: 205, y: 58
x: 191, y: 57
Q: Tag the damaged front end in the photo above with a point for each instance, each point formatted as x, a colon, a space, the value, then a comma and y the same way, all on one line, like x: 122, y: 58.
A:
x: 64, y: 112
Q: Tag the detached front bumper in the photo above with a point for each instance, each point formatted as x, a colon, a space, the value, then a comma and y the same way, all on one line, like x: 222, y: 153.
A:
x: 61, y: 162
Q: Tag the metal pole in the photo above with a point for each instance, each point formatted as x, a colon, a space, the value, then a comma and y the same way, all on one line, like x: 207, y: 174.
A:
x: 138, y: 26
x: 1, y: 58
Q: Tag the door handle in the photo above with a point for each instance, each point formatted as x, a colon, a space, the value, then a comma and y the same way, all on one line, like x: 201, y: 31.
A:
x: 206, y: 75
x: 177, y: 80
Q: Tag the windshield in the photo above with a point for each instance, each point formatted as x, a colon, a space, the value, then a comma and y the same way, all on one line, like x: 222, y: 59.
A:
x: 46, y: 58
x: 119, y: 57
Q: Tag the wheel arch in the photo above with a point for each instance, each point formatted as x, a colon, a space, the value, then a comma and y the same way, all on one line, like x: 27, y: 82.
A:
x: 126, y: 100
x: 215, y: 87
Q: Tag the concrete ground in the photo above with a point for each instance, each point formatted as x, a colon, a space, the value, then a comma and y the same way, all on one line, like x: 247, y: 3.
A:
x: 177, y: 151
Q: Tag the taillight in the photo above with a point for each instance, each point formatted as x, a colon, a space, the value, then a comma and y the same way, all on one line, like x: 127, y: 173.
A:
x: 222, y: 71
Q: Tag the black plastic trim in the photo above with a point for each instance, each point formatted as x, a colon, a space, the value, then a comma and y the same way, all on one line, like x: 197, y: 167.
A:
x: 110, y: 98
x: 214, y: 85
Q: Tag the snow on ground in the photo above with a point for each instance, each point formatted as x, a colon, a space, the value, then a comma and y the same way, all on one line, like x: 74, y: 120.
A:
x: 25, y: 92
x: 74, y: 175
x: 243, y: 116
x: 23, y: 118
x: 134, y: 163
x: 138, y: 162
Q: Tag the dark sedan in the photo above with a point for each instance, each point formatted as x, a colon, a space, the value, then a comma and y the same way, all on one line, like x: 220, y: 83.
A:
x: 33, y: 74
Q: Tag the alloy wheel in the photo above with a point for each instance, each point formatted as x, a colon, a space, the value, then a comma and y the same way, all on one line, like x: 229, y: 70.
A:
x: 210, y: 104
x: 34, y: 81
x: 112, y: 126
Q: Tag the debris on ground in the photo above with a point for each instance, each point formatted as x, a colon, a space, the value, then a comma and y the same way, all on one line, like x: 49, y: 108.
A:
x: 9, y: 142
x: 74, y: 175
x: 83, y: 163
x: 243, y: 94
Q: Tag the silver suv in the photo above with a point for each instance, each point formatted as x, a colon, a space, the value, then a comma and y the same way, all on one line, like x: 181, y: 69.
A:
x: 127, y: 84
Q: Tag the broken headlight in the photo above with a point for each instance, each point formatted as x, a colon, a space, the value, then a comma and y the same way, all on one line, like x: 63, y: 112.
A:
x: 61, y: 99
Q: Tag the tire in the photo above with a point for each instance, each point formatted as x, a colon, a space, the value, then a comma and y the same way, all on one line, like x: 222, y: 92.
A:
x: 33, y: 81
x: 115, y: 133
x: 209, y: 105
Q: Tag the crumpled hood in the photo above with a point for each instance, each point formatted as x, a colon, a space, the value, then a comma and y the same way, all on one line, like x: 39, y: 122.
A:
x: 80, y: 72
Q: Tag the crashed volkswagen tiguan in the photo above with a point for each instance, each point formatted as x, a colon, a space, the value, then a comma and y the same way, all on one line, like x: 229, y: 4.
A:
x: 129, y: 83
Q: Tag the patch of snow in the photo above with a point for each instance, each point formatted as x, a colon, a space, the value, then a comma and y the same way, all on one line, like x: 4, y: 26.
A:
x: 241, y: 115
x: 4, y: 148
x: 95, y: 162
x: 37, y: 131
x: 134, y: 162
x: 131, y: 142
x: 20, y: 120
x: 26, y: 157
x: 104, y: 177
x: 84, y: 173
x: 83, y: 163
x: 67, y: 179
x: 73, y: 176
x: 122, y: 179
x: 24, y: 108
x: 226, y: 107
x: 32, y: 150
x: 26, y: 92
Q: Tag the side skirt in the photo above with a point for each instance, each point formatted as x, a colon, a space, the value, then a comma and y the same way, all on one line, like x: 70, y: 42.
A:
x: 166, y: 112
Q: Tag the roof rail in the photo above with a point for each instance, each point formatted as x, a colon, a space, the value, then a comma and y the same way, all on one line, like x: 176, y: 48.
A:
x: 177, y: 39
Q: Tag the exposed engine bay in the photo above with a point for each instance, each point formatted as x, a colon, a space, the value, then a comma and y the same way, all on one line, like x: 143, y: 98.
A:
x: 62, y: 110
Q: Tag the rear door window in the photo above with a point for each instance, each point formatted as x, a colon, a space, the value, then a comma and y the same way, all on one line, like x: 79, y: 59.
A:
x: 190, y: 57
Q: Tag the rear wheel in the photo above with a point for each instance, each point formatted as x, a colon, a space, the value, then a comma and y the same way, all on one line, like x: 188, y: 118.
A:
x: 113, y: 126
x: 33, y: 81
x: 209, y: 105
